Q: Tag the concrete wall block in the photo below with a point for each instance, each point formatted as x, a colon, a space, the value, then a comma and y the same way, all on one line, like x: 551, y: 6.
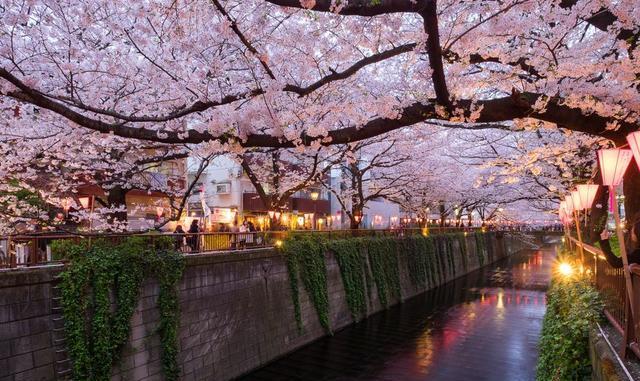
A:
x: 41, y: 373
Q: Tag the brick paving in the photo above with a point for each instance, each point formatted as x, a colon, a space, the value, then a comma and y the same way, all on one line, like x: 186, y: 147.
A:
x: 484, y: 326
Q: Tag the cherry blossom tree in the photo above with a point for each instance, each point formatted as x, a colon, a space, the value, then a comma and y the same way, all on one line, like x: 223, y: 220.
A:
x: 236, y: 74
x: 368, y: 170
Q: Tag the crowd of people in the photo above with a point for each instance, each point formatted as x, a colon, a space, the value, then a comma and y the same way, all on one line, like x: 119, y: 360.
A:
x: 190, y: 240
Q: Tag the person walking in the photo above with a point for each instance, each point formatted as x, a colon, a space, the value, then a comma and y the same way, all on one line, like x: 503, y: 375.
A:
x: 193, y: 238
x: 179, y: 237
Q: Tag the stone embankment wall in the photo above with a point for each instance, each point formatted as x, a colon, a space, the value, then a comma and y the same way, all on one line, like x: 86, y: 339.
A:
x: 236, y: 315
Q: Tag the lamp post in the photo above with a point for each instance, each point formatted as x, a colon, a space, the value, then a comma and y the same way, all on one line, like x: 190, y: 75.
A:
x: 314, y: 196
x: 66, y: 205
x: 613, y: 164
x: 577, y: 206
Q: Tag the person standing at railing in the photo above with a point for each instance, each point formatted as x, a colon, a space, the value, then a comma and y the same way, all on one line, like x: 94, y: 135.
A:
x: 633, y: 246
x: 194, y: 229
x: 179, y: 237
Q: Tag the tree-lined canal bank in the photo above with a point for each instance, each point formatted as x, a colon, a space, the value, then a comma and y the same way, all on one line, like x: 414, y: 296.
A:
x: 483, y: 326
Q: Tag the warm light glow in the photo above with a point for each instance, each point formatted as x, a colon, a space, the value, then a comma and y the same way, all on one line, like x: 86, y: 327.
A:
x: 84, y: 201
x: 565, y: 269
x: 568, y: 204
x: 613, y: 164
x: 314, y: 195
x: 634, y: 143
x: 278, y: 243
x: 300, y: 221
x: 587, y: 194
x: 66, y: 204
x: 271, y: 213
x: 159, y: 211
x: 576, y: 201
x: 277, y: 215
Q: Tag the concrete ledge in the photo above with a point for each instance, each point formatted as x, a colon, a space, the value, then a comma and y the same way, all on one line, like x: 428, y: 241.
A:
x: 603, y: 361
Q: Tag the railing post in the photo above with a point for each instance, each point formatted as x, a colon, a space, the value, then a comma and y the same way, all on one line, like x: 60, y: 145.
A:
x: 12, y: 258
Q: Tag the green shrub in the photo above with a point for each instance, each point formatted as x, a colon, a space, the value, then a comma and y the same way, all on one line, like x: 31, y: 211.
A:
x: 573, y: 306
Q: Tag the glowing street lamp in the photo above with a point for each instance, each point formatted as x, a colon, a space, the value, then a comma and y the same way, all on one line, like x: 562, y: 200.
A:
x: 314, y: 196
x: 66, y: 205
x: 613, y: 164
x: 568, y: 204
x: 576, y: 201
x: 587, y: 194
x: 634, y: 143
x: 84, y: 201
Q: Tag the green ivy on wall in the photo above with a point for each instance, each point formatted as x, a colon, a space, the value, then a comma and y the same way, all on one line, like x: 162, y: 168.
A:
x: 100, y: 288
x: 480, y: 247
x: 462, y: 244
x: 383, y: 258
x: 365, y: 261
x: 416, y: 250
x: 451, y: 263
x: 305, y: 259
x: 573, y: 307
x: 355, y: 273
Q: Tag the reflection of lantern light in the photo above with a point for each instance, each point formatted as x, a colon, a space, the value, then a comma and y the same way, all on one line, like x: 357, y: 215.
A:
x: 357, y: 218
x: 587, y: 194
x: 613, y: 164
x: 285, y: 218
x: 314, y: 195
x: 84, y: 201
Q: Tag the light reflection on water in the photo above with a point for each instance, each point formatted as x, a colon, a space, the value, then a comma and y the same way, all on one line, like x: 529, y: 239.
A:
x: 484, y: 326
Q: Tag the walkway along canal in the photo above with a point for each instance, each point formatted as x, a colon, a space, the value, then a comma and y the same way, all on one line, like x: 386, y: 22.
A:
x: 483, y: 326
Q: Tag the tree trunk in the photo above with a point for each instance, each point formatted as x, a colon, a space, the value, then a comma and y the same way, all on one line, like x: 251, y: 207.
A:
x: 632, y: 197
x: 598, y: 217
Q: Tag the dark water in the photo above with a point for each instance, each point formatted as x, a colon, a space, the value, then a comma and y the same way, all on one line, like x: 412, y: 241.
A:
x: 484, y: 326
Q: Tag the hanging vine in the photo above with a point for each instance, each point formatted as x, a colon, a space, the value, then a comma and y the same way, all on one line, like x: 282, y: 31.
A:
x: 366, y: 261
x: 305, y: 259
x: 450, y: 257
x: 480, y: 247
x: 462, y: 243
x: 354, y: 272
x: 415, y: 249
x: 100, y: 288
x: 383, y: 258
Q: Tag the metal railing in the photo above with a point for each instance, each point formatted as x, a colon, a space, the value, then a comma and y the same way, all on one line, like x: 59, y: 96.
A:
x: 610, y: 282
x: 35, y: 249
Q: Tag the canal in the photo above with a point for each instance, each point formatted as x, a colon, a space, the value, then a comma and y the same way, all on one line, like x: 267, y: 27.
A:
x: 484, y: 326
